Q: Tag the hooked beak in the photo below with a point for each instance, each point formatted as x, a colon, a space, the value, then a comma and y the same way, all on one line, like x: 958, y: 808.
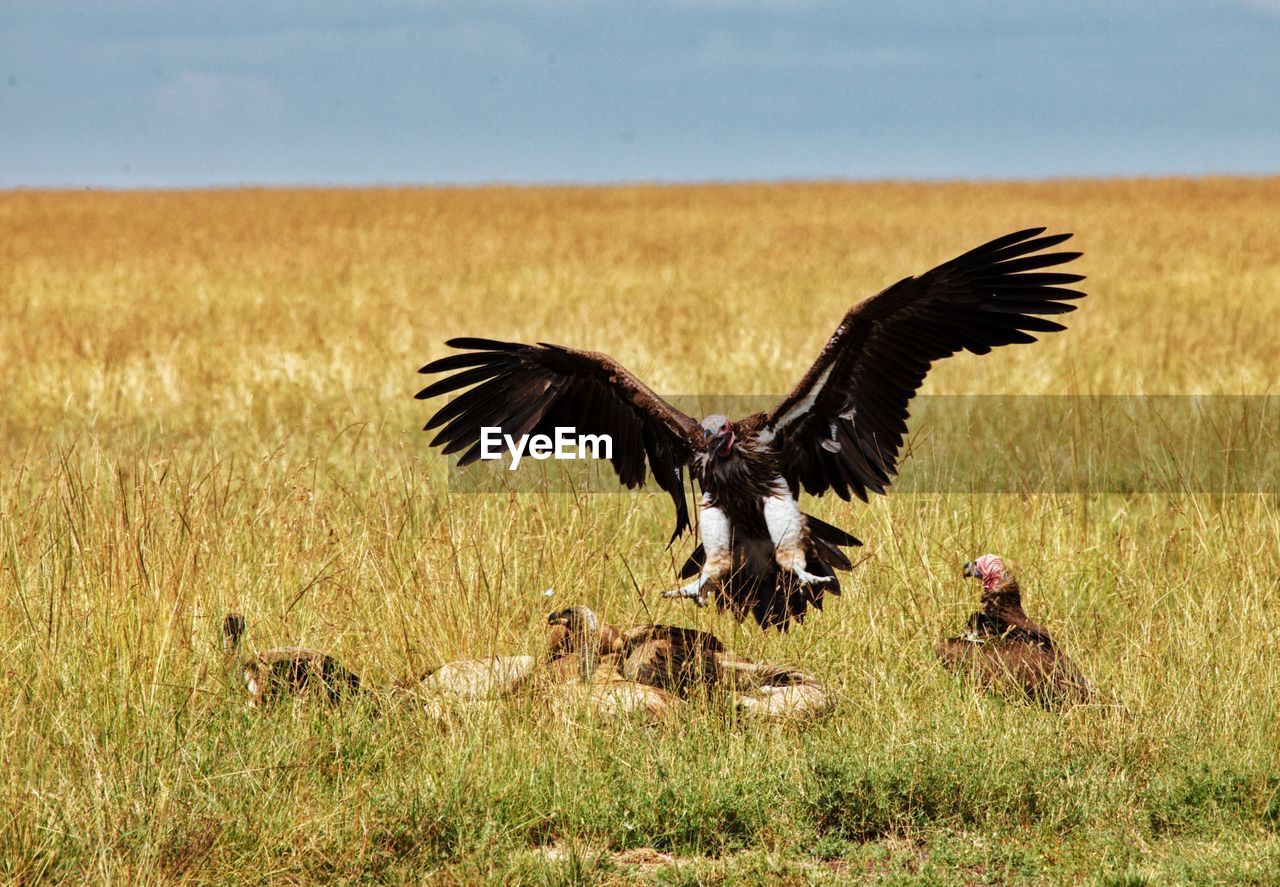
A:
x: 971, y: 571
x: 716, y: 442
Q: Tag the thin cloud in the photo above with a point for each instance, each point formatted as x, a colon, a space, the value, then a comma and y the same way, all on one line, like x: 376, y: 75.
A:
x: 781, y: 49
x: 774, y: 6
x: 199, y: 98
x: 584, y: 90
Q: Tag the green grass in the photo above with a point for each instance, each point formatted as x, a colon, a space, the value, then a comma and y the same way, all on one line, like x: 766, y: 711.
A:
x: 208, y: 407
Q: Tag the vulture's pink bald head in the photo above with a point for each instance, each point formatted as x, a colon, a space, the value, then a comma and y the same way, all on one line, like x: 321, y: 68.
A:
x: 990, y: 569
x: 718, y: 432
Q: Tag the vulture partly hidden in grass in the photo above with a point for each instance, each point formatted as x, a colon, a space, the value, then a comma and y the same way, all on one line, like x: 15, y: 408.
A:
x: 1003, y: 650
x: 285, y: 672
x: 840, y: 429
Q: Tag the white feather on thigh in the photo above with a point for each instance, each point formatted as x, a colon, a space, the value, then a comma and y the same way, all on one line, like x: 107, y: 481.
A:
x: 717, y: 548
x: 786, y: 528
x: 717, y: 535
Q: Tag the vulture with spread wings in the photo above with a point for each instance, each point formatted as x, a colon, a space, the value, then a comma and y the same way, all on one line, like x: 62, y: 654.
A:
x: 840, y: 429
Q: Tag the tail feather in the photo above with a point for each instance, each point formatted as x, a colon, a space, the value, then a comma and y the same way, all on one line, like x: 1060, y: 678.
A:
x: 775, y: 599
x: 820, y: 529
x: 828, y: 554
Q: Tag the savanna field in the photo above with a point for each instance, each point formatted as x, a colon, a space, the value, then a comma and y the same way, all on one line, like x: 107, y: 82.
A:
x: 208, y: 406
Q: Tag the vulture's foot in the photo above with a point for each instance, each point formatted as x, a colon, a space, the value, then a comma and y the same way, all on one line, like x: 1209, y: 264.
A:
x: 807, y: 578
x: 692, y: 591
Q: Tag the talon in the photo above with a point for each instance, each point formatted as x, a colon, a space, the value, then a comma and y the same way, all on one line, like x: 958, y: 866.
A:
x: 692, y: 591
x: 807, y: 578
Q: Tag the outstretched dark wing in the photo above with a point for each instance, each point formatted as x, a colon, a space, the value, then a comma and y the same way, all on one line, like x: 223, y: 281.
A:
x: 533, y: 389
x: 841, y: 428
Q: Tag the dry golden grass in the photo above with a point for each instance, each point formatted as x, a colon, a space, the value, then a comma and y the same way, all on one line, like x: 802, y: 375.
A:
x: 208, y: 405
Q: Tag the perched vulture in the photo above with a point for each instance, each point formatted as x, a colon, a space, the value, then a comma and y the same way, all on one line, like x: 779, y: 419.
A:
x: 287, y: 671
x: 1003, y: 649
x: 840, y: 429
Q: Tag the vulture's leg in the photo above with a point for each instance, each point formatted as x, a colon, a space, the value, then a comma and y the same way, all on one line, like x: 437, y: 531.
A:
x: 717, y: 544
x: 787, y: 532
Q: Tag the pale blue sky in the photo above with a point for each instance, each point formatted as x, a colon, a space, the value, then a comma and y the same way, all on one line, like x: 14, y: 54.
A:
x: 144, y: 93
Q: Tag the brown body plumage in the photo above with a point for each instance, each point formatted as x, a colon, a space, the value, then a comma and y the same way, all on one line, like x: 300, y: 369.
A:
x: 271, y: 675
x: 1003, y: 650
x: 683, y: 662
x: 840, y: 429
x: 587, y: 670
x: 580, y: 673
x: 666, y: 656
